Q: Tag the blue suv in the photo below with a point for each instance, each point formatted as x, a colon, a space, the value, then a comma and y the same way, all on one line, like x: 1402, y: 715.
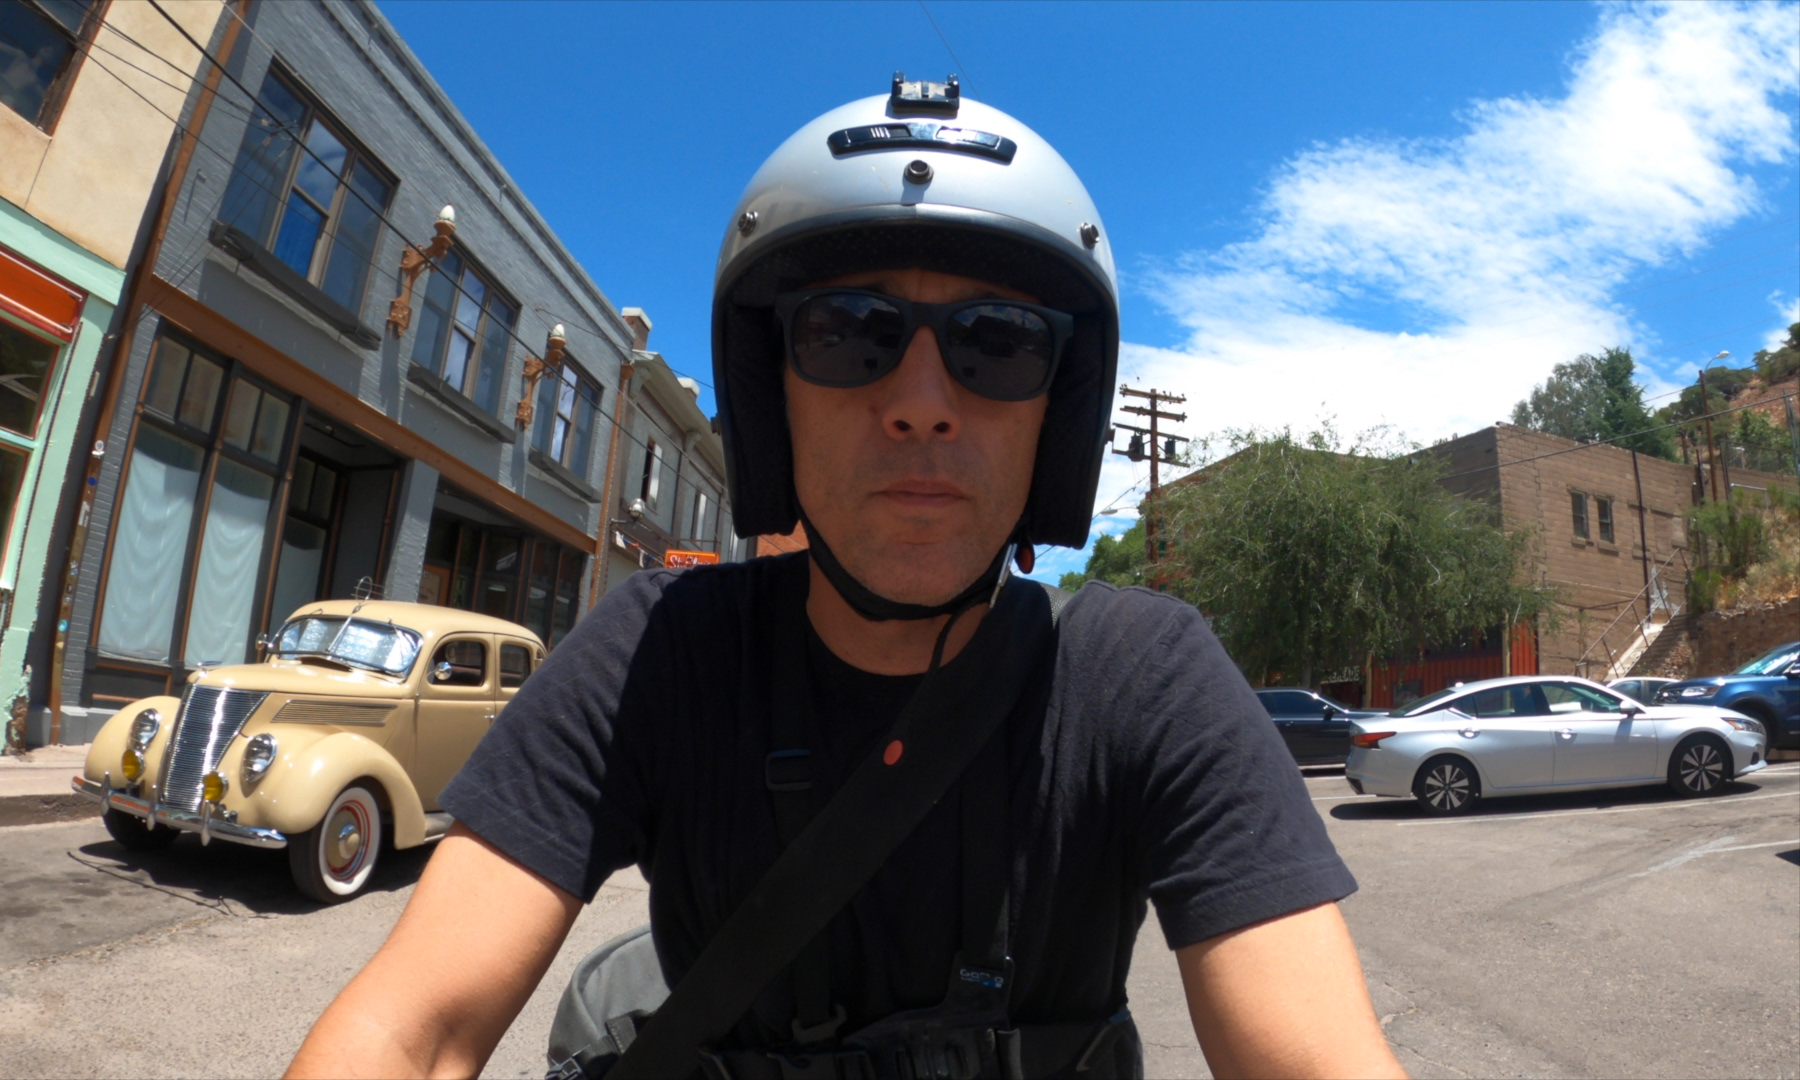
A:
x: 1767, y: 689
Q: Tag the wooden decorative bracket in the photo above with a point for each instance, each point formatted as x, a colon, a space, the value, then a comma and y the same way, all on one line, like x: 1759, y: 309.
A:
x: 535, y: 369
x: 413, y: 262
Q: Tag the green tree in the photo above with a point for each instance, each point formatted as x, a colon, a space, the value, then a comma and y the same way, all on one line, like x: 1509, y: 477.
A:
x: 1311, y: 556
x: 1596, y: 397
x: 1116, y: 560
x: 1781, y: 363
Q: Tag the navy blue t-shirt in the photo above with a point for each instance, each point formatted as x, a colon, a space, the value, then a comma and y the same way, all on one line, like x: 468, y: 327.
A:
x: 1141, y: 769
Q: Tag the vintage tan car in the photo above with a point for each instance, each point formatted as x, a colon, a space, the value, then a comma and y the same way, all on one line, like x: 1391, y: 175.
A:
x: 346, y: 733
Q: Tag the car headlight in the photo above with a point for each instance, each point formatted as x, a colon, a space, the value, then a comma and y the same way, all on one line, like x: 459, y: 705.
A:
x: 132, y: 765
x: 1698, y: 691
x: 258, y: 756
x: 144, y: 729
x: 1743, y: 723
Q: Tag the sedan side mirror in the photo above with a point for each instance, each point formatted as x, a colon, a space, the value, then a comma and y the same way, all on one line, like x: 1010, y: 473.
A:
x: 1631, y: 710
x: 442, y: 671
x: 1330, y: 711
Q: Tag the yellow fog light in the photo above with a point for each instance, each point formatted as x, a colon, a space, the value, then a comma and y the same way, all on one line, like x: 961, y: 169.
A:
x: 132, y: 765
x: 213, y: 787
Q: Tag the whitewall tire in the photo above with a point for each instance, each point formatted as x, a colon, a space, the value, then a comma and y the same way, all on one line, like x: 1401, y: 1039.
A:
x: 333, y: 862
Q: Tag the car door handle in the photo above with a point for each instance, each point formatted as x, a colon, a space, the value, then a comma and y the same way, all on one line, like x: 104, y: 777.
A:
x: 1469, y: 732
x: 1565, y: 734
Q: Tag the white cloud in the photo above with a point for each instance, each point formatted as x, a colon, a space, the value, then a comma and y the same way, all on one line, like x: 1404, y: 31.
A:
x: 1789, y: 310
x: 1499, y: 248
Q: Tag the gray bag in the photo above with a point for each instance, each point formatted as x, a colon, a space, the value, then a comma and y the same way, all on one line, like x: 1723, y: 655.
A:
x: 621, y: 979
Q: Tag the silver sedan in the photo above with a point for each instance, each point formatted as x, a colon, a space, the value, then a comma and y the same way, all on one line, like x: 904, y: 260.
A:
x: 1533, y: 734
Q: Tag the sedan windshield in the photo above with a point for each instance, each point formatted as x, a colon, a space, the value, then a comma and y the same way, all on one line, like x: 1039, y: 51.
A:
x: 356, y: 643
x: 1773, y: 662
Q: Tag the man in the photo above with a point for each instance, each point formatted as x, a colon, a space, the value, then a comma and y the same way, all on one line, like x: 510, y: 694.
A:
x: 915, y: 338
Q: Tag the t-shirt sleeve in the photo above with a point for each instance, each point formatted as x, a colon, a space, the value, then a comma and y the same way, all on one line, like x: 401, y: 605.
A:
x: 556, y: 784
x: 1225, y: 833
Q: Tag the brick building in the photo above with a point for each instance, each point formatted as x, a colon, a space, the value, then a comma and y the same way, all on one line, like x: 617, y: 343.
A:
x: 1609, y: 531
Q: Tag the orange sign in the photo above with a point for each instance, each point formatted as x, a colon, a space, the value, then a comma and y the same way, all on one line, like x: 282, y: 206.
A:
x: 678, y: 559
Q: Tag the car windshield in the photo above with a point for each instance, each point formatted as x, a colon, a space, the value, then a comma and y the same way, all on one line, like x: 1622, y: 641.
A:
x: 1773, y: 662
x: 1426, y: 703
x: 356, y: 643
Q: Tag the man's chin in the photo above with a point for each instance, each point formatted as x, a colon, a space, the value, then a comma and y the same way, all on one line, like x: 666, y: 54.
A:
x: 918, y: 574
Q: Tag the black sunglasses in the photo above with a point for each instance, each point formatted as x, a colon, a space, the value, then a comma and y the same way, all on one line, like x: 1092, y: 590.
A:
x: 1005, y: 350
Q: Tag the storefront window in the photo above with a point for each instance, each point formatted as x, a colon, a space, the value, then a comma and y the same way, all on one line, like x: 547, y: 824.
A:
x: 522, y: 577
x: 12, y: 473
x: 25, y: 361
x: 201, y: 477
x: 157, y: 515
x: 500, y: 576
x: 231, y: 549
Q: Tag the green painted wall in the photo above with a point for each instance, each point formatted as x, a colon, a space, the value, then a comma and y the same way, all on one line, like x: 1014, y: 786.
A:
x: 25, y: 570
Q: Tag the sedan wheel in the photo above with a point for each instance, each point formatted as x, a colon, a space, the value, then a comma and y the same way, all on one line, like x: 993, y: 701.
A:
x: 1699, y: 766
x: 1446, y: 786
x: 334, y: 861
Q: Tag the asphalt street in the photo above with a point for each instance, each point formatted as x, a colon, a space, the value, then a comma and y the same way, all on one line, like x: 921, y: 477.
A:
x: 1600, y: 935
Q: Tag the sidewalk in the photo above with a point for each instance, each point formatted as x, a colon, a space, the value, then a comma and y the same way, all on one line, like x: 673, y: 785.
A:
x: 35, y: 788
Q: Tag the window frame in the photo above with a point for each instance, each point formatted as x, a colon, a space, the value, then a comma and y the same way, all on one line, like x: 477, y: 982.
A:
x: 650, y: 490
x: 56, y: 94
x: 549, y: 412
x: 214, y: 449
x: 356, y: 155
x: 1578, y: 514
x: 1603, y: 519
x: 440, y: 352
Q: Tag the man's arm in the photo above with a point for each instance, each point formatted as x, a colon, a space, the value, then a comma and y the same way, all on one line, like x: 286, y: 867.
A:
x: 1285, y: 998
x: 471, y: 946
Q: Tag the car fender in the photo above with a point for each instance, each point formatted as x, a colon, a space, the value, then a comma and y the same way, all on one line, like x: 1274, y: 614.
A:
x: 301, y: 784
x: 108, y: 748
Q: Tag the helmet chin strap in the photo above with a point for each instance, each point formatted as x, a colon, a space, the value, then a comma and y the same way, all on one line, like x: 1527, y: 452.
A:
x: 877, y: 608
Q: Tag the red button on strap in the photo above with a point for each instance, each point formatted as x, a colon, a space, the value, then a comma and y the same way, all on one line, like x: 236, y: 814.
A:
x: 892, y: 754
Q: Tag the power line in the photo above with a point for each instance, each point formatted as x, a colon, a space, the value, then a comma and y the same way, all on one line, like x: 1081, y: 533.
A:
x: 368, y: 262
x: 960, y: 70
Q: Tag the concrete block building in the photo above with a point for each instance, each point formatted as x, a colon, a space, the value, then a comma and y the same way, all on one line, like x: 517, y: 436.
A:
x: 356, y: 359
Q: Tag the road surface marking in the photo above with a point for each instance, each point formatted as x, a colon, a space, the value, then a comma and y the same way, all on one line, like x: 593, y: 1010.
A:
x: 1613, y: 810
x: 1711, y: 847
x: 1336, y: 798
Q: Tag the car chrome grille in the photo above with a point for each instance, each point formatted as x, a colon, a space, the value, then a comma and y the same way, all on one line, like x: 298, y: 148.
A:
x: 210, y: 718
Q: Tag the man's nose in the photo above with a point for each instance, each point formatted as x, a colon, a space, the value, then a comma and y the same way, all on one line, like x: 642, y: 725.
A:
x: 919, y: 396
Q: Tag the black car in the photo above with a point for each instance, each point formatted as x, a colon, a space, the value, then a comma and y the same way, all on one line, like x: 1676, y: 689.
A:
x: 1315, y: 728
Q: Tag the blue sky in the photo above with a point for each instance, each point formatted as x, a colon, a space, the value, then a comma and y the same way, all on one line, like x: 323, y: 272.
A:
x: 1384, y: 213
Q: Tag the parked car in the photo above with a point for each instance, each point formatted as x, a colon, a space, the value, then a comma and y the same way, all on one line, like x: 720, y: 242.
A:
x: 1641, y: 690
x: 1767, y: 689
x: 1315, y: 728
x: 1532, y: 734
x: 344, y: 736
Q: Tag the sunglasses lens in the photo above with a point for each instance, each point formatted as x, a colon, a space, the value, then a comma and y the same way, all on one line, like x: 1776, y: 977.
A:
x: 1000, y: 351
x: 847, y: 339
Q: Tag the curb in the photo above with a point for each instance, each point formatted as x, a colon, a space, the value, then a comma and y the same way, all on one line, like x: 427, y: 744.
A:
x: 41, y: 809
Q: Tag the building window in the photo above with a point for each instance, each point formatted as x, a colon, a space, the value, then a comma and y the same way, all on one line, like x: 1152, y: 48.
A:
x: 41, y: 45
x: 203, y: 466
x: 25, y: 362
x: 652, y: 485
x: 318, y: 209
x: 12, y: 475
x: 1578, y: 511
x: 1603, y: 511
x: 464, y: 328
x: 697, y: 522
x: 567, y: 404
x: 482, y: 569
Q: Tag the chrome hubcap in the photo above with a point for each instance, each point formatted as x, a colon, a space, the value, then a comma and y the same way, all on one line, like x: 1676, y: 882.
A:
x: 1447, y: 787
x: 1701, y: 767
x: 344, y: 846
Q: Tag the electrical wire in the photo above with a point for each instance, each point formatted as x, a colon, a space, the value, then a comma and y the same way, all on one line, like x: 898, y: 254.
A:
x: 960, y: 70
x: 203, y: 243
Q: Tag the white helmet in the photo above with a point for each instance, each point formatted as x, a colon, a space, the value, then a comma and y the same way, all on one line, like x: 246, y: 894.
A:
x: 919, y: 177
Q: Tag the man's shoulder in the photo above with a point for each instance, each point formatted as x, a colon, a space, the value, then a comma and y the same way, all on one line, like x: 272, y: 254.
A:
x: 1100, y: 611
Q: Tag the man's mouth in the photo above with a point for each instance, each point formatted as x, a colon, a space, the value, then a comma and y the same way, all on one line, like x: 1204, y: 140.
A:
x: 923, y: 494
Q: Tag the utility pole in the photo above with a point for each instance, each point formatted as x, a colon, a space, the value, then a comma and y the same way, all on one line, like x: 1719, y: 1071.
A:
x: 1161, y: 447
x: 1787, y: 402
x: 1712, y: 448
